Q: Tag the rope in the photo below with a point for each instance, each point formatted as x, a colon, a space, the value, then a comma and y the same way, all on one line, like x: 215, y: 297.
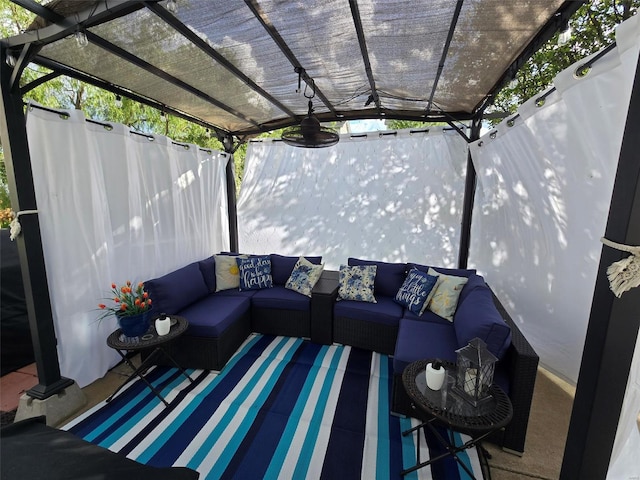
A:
x: 15, y: 227
x: 624, y: 274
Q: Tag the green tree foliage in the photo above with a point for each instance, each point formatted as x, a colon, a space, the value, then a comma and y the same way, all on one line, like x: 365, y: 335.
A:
x: 592, y: 27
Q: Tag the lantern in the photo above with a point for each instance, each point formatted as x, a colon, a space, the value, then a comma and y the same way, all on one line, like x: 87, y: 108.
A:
x: 474, y: 372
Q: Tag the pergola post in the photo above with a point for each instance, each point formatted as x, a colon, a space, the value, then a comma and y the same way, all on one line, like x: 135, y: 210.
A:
x: 232, y: 209
x: 469, y: 197
x: 613, y: 324
x: 19, y: 175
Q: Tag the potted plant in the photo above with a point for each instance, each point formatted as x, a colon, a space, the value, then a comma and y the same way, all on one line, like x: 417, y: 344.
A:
x: 132, y: 308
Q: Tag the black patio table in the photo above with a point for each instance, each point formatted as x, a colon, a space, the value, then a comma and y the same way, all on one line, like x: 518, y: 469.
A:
x: 150, y: 340
x: 453, y: 412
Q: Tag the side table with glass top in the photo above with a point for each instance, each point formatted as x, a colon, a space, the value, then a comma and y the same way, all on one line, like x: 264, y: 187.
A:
x: 150, y: 340
x: 444, y: 407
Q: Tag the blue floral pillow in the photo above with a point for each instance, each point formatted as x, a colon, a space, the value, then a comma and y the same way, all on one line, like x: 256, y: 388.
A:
x: 304, y: 276
x: 416, y: 291
x: 255, y: 272
x: 356, y: 283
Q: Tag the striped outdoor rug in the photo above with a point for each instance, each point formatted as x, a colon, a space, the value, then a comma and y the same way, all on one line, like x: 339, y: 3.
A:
x: 282, y: 408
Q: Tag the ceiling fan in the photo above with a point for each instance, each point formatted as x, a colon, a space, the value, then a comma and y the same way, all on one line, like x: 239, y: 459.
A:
x: 309, y: 133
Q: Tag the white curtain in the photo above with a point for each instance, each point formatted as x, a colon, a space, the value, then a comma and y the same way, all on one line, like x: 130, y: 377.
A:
x: 116, y: 206
x: 544, y: 187
x: 385, y: 197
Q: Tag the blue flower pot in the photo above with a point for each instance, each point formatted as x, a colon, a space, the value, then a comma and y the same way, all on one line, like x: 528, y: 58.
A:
x: 134, y: 325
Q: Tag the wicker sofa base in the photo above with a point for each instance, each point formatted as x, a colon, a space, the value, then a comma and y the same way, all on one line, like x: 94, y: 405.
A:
x: 367, y: 335
x: 208, y: 353
x: 288, y: 323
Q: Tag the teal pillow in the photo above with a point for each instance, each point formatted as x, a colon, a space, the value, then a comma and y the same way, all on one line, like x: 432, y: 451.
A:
x: 416, y: 291
x: 304, y: 276
x: 255, y: 272
x: 357, y: 282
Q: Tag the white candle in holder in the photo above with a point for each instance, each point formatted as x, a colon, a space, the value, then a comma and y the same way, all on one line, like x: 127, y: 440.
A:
x: 470, y: 376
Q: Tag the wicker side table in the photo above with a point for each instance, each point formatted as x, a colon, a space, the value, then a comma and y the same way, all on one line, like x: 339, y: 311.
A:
x: 449, y: 410
x: 150, y: 340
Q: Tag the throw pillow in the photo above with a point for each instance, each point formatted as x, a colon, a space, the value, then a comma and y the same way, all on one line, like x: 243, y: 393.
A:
x: 416, y: 291
x: 227, y: 272
x: 356, y: 283
x: 445, y: 299
x: 255, y: 272
x: 304, y: 276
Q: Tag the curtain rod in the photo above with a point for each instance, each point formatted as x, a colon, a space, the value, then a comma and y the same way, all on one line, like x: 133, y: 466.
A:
x: 109, y: 126
x: 583, y: 66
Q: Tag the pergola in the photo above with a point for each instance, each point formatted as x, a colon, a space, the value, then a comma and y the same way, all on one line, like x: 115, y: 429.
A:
x: 234, y: 67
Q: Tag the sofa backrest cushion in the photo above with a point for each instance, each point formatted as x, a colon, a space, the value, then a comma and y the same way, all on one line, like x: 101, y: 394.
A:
x: 456, y: 272
x: 174, y: 291
x: 477, y: 316
x: 282, y: 266
x: 475, y: 281
x: 208, y: 270
x: 389, y: 276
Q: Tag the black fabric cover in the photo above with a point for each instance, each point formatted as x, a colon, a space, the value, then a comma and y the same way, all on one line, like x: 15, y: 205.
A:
x: 31, y: 449
x: 16, y: 348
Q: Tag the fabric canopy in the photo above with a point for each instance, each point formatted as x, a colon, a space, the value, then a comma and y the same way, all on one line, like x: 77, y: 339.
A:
x: 232, y: 64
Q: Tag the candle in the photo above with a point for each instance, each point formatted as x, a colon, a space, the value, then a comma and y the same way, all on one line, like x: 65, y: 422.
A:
x: 470, y: 377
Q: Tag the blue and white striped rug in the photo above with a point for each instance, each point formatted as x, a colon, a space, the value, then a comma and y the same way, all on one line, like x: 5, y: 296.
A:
x: 281, y: 408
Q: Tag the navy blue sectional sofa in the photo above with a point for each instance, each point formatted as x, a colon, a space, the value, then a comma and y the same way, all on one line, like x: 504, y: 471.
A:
x: 387, y: 327
x: 219, y: 322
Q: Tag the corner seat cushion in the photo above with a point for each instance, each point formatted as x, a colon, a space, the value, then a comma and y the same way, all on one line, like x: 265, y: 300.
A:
x: 386, y: 311
x: 428, y: 316
x: 174, y: 291
x: 234, y: 292
x: 418, y: 340
x: 212, y: 315
x: 389, y: 276
x: 282, y: 266
x: 279, y: 297
x: 477, y: 316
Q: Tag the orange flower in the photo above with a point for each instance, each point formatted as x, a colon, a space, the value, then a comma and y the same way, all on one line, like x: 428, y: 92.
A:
x: 102, y: 306
x: 128, y: 283
x: 141, y: 284
x: 149, y: 301
x: 123, y: 306
x: 145, y: 295
x: 128, y: 300
x: 117, y: 300
x: 137, y: 302
x: 113, y: 285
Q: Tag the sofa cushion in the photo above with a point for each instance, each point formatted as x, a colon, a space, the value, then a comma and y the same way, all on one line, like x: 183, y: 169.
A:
x: 304, y: 276
x: 175, y: 290
x: 418, y: 340
x: 255, y: 272
x: 280, y: 297
x: 212, y: 315
x: 416, y: 291
x: 282, y: 266
x: 478, y: 317
x: 386, y: 311
x: 427, y: 316
x: 445, y: 300
x: 389, y: 276
x: 458, y: 272
x: 208, y: 270
x: 227, y: 271
x: 357, y: 283
x: 234, y: 292
x: 475, y: 280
